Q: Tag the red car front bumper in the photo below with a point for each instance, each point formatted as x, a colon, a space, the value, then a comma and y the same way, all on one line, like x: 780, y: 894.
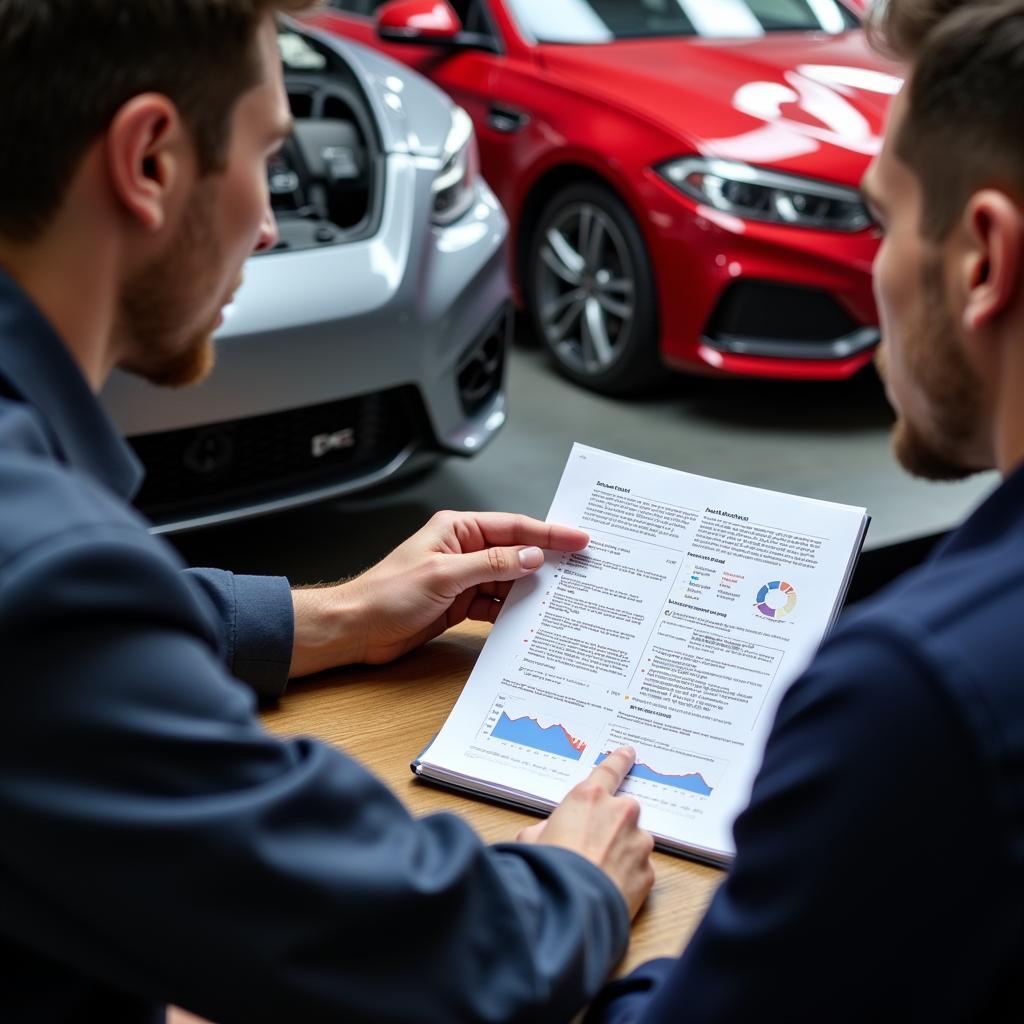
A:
x: 746, y: 298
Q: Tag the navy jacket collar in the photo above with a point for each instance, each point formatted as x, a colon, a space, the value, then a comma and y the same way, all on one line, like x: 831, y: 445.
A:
x: 37, y: 367
x: 997, y: 516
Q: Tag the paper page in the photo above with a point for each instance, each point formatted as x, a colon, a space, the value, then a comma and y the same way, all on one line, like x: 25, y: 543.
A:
x: 677, y: 630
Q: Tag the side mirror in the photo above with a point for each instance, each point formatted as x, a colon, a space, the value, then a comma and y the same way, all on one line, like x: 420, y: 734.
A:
x: 418, y: 21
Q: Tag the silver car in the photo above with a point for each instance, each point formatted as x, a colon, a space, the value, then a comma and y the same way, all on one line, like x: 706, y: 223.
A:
x: 372, y: 338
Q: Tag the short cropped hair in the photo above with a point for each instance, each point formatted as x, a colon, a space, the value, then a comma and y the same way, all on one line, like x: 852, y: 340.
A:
x: 68, y: 66
x: 964, y: 124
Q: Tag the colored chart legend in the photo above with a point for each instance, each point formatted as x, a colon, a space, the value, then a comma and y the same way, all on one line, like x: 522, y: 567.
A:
x: 528, y: 732
x: 776, y: 599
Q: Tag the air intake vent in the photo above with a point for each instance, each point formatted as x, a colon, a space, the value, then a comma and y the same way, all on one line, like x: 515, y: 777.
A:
x: 482, y: 367
x: 767, y: 311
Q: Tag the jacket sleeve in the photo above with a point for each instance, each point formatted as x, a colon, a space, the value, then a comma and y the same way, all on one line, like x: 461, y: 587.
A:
x: 254, y: 619
x: 157, y: 840
x: 869, y: 864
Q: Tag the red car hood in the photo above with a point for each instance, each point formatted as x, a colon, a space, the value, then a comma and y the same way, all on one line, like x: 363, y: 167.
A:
x: 808, y: 103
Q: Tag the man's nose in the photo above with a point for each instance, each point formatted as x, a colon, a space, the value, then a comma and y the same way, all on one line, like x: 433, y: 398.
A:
x: 268, y: 235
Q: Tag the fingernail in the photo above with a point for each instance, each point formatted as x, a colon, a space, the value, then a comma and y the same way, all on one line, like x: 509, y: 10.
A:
x: 531, y: 558
x: 631, y: 751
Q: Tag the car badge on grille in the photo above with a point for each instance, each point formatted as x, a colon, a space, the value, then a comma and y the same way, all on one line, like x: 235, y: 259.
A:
x: 321, y: 444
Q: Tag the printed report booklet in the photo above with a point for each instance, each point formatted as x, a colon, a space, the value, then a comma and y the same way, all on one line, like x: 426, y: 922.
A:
x: 677, y: 630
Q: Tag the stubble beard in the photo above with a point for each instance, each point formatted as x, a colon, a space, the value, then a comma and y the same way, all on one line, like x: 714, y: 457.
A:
x: 953, y: 393
x: 156, y: 302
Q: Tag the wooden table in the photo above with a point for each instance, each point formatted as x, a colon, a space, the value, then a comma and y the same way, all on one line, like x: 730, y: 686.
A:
x: 386, y: 716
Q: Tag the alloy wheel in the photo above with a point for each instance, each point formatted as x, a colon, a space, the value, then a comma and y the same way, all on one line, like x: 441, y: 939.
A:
x: 586, y: 288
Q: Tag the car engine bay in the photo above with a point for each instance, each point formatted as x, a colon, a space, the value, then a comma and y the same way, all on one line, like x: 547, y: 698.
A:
x: 325, y: 182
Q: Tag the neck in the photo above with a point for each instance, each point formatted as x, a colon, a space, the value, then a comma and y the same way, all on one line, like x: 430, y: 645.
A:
x: 72, y: 275
x: 1009, y: 409
x: 66, y: 294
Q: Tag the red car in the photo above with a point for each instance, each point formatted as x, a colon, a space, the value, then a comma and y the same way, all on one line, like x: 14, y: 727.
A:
x: 681, y: 175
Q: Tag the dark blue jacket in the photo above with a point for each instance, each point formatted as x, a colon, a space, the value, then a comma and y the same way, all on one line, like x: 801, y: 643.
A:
x: 879, y: 873
x: 156, y: 845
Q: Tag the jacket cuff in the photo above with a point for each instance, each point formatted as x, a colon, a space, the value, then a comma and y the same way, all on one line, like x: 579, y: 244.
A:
x: 624, y: 1001
x: 260, y: 653
x: 594, y: 913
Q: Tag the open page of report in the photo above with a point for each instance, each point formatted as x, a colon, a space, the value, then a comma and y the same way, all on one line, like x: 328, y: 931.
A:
x: 676, y: 631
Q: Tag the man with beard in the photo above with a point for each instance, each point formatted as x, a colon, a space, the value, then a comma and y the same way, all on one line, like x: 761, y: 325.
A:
x: 879, y: 870
x: 158, y: 846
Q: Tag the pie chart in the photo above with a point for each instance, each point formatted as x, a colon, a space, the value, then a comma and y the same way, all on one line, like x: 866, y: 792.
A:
x: 776, y: 599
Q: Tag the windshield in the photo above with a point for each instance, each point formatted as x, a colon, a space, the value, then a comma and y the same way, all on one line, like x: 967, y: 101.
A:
x: 603, y: 21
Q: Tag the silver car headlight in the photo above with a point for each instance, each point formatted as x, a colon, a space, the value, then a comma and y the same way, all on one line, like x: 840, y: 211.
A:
x: 454, y: 187
x: 756, y: 194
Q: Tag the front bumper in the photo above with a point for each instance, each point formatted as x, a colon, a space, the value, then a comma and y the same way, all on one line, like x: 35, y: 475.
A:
x: 752, y: 299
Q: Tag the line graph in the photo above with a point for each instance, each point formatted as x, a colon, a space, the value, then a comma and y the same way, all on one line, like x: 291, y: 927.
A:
x: 527, y: 731
x: 691, y: 782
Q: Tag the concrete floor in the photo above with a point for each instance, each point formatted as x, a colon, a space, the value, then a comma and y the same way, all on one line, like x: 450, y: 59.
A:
x: 823, y: 441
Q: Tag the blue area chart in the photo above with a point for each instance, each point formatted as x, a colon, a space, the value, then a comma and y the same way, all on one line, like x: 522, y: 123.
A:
x: 692, y: 782
x: 528, y: 732
x: 776, y: 599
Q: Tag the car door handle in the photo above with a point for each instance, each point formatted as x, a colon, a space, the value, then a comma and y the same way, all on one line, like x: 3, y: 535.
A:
x: 507, y: 120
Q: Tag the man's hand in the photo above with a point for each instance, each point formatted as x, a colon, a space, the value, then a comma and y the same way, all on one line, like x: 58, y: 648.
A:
x: 461, y: 565
x: 595, y: 823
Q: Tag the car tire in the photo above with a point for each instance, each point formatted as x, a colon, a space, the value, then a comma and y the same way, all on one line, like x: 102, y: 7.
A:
x: 589, y: 291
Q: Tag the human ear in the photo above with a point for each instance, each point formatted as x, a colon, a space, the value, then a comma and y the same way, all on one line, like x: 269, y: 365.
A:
x: 147, y: 147
x: 991, y: 262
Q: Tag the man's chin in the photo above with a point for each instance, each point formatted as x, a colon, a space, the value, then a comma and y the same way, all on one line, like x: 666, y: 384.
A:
x: 924, y: 460
x: 191, y: 366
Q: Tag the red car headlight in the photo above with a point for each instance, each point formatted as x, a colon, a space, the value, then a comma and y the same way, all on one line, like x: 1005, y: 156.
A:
x: 757, y: 194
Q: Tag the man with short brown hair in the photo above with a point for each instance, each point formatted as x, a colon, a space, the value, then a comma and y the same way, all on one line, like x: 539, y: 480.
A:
x: 879, y: 870
x: 158, y: 846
